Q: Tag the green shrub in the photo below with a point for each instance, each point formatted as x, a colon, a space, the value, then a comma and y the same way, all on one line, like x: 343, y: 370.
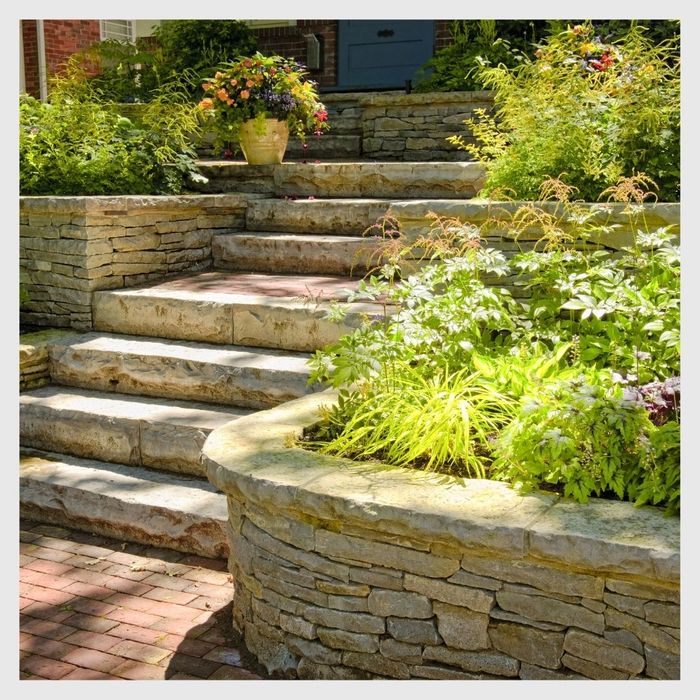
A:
x: 584, y: 111
x: 495, y: 42
x: 585, y: 436
x: 450, y: 351
x: 76, y: 145
x: 199, y: 45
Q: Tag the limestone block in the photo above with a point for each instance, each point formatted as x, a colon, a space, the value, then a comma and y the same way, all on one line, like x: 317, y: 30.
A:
x: 648, y: 634
x: 401, y: 558
x: 376, y: 663
x: 625, y: 639
x: 528, y: 644
x: 308, y: 670
x: 280, y: 602
x: 400, y: 651
x: 267, y: 613
x: 297, y: 626
x: 662, y: 664
x: 348, y: 603
x: 627, y: 604
x: 263, y: 565
x: 529, y: 672
x: 348, y: 641
x: 646, y: 591
x: 292, y: 531
x: 308, y: 560
x: 392, y: 581
x: 348, y: 621
x: 290, y: 590
x: 542, y: 577
x: 399, y: 604
x: 592, y: 670
x: 603, y: 652
x: 440, y: 673
x: 479, y: 662
x: 551, y: 610
x: 462, y: 628
x: 413, y: 631
x: 344, y: 589
x: 144, y: 241
x: 666, y: 614
x: 594, y: 605
x: 273, y: 655
x: 471, y: 598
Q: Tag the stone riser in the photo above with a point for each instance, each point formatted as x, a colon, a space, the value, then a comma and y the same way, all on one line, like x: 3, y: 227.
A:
x: 285, y: 253
x: 180, y: 371
x: 255, y: 322
x: 352, y: 179
x: 158, y: 434
x: 128, y: 503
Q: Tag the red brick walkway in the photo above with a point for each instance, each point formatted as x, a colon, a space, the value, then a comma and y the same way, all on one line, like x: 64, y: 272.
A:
x: 96, y: 608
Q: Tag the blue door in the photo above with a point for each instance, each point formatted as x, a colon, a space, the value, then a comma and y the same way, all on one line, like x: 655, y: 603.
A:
x: 382, y: 54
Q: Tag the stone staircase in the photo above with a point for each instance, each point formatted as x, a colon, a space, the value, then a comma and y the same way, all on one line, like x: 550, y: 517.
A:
x: 113, y: 444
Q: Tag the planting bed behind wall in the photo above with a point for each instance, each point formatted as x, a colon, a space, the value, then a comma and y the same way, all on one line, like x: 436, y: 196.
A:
x: 357, y: 570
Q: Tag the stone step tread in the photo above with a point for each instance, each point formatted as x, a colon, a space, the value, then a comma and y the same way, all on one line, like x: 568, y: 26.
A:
x: 139, y: 431
x: 176, y: 369
x: 238, y: 357
x: 244, y: 287
x: 132, y: 503
x: 230, y: 308
x: 192, y: 414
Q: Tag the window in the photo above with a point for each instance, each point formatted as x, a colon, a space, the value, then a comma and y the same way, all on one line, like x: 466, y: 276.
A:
x: 120, y: 29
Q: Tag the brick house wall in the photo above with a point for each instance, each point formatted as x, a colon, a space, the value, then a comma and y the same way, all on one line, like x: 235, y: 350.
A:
x: 62, y: 37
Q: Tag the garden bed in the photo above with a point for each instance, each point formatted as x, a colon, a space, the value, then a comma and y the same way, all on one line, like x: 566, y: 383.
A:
x: 359, y: 570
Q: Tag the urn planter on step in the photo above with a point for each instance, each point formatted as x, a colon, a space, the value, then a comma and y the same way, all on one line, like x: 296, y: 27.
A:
x: 264, y: 147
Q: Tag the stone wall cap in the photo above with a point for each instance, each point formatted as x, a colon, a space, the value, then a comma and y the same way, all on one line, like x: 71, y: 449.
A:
x: 255, y: 457
x: 379, y: 99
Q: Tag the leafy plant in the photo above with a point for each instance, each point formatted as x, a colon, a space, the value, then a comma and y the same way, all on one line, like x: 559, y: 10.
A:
x: 474, y: 43
x: 584, y: 110
x: 198, y: 45
x: 585, y: 436
x: 74, y: 144
x: 442, y: 421
x: 577, y: 353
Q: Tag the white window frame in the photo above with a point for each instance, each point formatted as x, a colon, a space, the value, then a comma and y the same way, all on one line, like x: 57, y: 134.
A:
x: 106, y: 33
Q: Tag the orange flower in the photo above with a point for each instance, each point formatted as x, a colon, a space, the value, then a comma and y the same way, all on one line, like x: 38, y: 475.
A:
x: 234, y: 82
x: 222, y: 94
x: 245, y: 94
x: 219, y: 74
x: 206, y: 103
x: 229, y: 102
x: 206, y: 86
x: 250, y: 83
x: 248, y: 63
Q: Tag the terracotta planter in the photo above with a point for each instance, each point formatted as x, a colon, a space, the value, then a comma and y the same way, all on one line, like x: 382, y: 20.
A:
x: 266, y: 148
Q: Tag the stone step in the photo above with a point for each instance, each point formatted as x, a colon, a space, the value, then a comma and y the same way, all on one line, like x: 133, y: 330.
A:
x: 335, y: 216
x: 346, y: 179
x: 260, y: 251
x: 129, y: 503
x: 132, y: 430
x: 234, y: 308
x: 242, y: 376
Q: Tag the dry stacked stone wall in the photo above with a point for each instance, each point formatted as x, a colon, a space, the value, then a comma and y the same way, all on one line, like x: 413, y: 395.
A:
x: 415, y: 127
x: 72, y: 246
x: 344, y: 571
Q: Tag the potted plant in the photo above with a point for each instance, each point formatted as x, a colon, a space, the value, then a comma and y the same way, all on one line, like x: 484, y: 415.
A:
x: 258, y: 101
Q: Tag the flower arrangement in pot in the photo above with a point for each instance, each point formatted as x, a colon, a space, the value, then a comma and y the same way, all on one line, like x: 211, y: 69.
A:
x: 258, y: 101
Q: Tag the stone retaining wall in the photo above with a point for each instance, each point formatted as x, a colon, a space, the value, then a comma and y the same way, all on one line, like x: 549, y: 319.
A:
x: 415, y: 127
x: 34, y: 358
x: 354, y: 571
x: 72, y: 246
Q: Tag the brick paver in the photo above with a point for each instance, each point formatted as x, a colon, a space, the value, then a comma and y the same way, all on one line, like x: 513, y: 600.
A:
x: 94, y: 608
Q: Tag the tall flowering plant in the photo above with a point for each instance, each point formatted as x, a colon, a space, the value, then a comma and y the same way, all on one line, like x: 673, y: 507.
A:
x: 263, y: 87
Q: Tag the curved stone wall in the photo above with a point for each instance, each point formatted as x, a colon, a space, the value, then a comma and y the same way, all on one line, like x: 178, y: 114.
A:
x: 352, y: 571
